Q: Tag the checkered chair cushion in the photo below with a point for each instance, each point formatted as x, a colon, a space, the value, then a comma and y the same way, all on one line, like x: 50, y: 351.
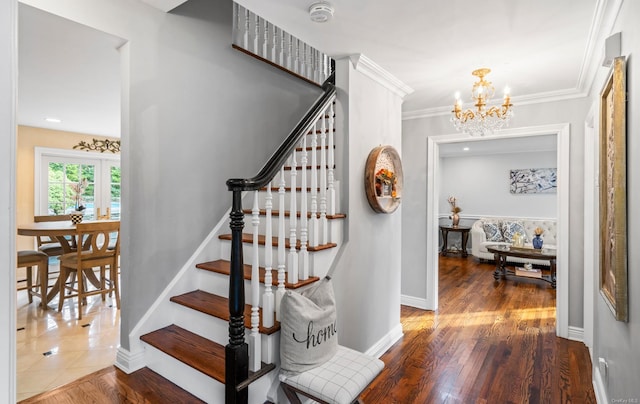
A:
x: 338, y: 381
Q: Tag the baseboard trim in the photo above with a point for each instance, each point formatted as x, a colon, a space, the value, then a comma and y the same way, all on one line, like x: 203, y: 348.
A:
x: 598, y: 387
x: 416, y: 302
x: 576, y: 334
x: 128, y: 361
x: 386, y: 342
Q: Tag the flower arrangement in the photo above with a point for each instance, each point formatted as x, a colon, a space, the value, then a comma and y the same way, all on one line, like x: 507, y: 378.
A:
x: 78, y: 190
x: 386, y: 182
x: 386, y: 176
x: 454, y: 207
x: 538, y: 231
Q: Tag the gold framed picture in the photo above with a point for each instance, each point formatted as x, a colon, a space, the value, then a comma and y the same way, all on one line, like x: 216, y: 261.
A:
x: 613, y: 194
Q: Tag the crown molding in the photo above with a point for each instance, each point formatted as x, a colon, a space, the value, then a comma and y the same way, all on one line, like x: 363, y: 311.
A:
x: 372, y: 70
x: 539, y: 98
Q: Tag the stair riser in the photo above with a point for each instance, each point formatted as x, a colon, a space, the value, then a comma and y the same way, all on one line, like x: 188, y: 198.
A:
x: 195, y: 382
x: 212, y: 328
x: 218, y: 284
x: 314, y: 257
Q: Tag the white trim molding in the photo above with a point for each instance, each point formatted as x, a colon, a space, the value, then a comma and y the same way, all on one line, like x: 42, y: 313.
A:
x: 562, y: 131
x: 129, y: 361
x: 372, y: 70
x: 384, y: 343
x: 576, y: 334
x: 417, y: 302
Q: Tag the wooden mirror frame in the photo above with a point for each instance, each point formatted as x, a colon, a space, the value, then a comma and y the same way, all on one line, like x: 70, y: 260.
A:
x: 383, y: 192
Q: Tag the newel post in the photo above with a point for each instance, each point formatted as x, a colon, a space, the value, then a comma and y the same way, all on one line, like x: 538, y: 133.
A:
x: 237, y: 351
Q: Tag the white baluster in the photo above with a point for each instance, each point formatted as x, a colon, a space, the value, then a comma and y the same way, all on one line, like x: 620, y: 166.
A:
x: 237, y: 30
x: 313, y: 222
x: 255, y: 34
x: 288, y: 58
x: 304, y: 254
x: 293, y: 205
x: 246, y: 30
x: 268, y: 304
x: 268, y: 43
x: 281, y: 246
x: 330, y: 175
x: 262, y: 38
x: 308, y: 62
x: 300, y: 57
x: 279, y: 41
x: 255, y: 345
x: 324, y: 231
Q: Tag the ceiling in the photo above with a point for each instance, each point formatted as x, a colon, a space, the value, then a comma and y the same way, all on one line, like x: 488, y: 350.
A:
x: 540, y: 49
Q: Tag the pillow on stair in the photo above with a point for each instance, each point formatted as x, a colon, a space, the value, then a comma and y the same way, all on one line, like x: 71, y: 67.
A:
x: 509, y: 228
x: 308, y: 336
x: 493, y: 231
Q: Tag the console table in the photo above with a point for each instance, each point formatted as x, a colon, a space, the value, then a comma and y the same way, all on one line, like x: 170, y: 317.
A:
x: 501, y: 252
x: 464, y: 231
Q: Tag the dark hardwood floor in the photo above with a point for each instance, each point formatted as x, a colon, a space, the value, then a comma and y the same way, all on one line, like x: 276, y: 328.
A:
x: 489, y: 342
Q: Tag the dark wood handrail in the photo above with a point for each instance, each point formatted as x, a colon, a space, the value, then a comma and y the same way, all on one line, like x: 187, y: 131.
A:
x: 277, y: 160
x: 236, y: 351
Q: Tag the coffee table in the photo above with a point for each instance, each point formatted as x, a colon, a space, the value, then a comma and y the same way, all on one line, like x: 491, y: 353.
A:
x: 501, y: 252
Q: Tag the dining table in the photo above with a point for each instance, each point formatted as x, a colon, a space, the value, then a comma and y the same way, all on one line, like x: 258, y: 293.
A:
x: 66, y: 233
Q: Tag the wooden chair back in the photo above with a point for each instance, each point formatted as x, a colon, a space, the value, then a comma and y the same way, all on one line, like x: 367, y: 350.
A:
x: 101, y: 243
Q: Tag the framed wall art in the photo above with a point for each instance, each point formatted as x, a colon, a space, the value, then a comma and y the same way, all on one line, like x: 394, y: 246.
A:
x: 533, y: 181
x: 613, y: 194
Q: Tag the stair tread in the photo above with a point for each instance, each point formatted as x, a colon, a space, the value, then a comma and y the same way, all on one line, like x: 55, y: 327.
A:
x: 218, y: 306
x: 287, y: 213
x: 198, y: 352
x: 224, y: 267
x: 248, y: 238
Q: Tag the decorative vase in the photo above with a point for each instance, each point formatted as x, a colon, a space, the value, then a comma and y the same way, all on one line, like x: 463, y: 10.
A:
x: 455, y: 220
x: 537, y: 242
x: 76, y: 217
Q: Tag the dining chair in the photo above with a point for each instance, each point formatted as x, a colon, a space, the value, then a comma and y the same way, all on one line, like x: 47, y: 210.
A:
x: 28, y: 259
x: 49, y: 245
x: 101, y: 253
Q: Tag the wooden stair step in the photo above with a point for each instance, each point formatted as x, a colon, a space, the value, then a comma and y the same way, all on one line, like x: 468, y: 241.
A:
x: 198, y: 352
x: 318, y: 147
x: 224, y: 267
x: 218, y: 306
x: 247, y: 238
x: 318, y: 167
x: 287, y: 213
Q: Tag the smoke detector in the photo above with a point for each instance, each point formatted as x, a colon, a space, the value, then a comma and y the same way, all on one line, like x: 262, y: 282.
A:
x: 320, y: 12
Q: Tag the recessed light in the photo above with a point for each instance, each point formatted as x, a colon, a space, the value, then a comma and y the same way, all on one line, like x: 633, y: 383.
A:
x: 465, y: 148
x: 53, y: 120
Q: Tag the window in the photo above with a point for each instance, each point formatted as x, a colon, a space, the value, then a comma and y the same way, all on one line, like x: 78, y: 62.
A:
x: 60, y: 171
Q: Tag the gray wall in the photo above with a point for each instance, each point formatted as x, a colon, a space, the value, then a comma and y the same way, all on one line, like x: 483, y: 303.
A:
x: 481, y: 185
x: 199, y: 113
x: 367, y: 275
x: 617, y: 342
x: 414, y: 144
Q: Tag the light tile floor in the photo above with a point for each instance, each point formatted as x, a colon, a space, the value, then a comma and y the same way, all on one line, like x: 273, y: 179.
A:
x: 54, y: 348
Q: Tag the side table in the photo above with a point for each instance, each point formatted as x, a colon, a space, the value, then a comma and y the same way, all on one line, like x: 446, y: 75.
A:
x: 463, y: 230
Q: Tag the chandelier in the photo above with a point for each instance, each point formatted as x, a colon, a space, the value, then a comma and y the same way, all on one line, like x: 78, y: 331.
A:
x: 482, y: 120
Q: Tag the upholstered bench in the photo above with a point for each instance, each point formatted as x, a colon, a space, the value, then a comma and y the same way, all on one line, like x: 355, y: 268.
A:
x: 312, y: 363
x: 339, y: 381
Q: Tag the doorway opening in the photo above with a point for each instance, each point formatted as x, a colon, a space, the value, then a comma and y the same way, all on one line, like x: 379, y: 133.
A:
x: 433, y: 199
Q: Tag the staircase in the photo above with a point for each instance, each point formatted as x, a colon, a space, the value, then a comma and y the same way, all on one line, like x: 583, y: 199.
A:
x: 288, y: 242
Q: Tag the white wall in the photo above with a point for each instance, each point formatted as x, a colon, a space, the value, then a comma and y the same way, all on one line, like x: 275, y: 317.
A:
x: 8, y: 80
x: 414, y: 145
x: 618, y: 342
x: 367, y: 275
x: 481, y: 185
x: 198, y: 113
